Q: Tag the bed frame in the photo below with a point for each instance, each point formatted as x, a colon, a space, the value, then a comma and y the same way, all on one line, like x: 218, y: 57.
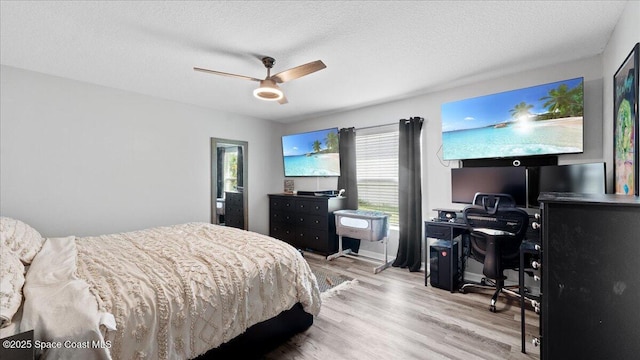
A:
x: 263, y: 337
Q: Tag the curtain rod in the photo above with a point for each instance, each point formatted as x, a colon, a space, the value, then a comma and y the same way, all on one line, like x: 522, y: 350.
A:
x: 375, y: 126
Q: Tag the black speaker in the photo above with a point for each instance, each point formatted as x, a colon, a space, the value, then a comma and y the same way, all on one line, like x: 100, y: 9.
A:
x: 520, y: 161
x: 440, y: 263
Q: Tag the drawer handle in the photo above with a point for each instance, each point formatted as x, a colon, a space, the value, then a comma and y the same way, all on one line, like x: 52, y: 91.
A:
x: 317, y: 238
x: 288, y: 205
x: 317, y: 221
x: 317, y: 207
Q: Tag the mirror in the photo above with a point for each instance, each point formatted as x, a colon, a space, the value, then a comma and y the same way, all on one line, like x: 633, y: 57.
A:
x: 229, y: 174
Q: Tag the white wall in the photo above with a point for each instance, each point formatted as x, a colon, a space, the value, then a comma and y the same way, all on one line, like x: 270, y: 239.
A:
x: 81, y: 159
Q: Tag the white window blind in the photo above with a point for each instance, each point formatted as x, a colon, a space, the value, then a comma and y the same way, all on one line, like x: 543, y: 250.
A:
x: 377, y: 169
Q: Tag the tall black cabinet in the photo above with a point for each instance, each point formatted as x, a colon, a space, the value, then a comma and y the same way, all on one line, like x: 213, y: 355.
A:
x: 306, y: 222
x: 234, y: 209
x: 590, y: 276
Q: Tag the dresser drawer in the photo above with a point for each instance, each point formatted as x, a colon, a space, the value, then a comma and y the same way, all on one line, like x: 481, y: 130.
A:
x: 312, y: 238
x: 285, y: 217
x: 283, y: 232
x: 312, y: 221
x: 312, y: 206
x: 281, y: 203
x: 438, y: 231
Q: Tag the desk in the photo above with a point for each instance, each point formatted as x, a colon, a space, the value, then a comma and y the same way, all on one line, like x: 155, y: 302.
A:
x: 448, y: 231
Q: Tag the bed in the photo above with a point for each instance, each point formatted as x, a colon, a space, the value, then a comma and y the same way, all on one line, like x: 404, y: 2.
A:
x: 173, y: 292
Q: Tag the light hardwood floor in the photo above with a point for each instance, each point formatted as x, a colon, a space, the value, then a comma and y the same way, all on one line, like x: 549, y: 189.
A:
x: 393, y: 315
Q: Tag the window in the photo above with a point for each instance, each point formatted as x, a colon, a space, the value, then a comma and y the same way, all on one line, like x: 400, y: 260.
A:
x: 230, y: 169
x: 377, y: 170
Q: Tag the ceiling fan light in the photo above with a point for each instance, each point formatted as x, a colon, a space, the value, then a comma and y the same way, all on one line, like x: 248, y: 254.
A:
x: 268, y: 91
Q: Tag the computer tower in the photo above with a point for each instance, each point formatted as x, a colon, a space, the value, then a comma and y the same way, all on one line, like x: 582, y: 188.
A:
x: 440, y: 263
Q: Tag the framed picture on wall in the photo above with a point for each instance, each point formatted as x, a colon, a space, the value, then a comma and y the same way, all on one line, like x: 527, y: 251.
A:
x: 625, y: 131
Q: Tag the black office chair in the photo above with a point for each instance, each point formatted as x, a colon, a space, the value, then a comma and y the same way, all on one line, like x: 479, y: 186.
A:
x: 496, y: 230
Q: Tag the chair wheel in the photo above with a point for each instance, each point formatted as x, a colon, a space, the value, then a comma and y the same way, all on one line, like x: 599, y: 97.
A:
x: 462, y: 290
x: 492, y: 308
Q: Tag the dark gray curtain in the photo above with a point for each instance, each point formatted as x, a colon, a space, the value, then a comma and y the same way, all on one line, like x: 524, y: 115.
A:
x: 410, y: 195
x: 219, y: 171
x: 348, y: 179
x: 240, y: 170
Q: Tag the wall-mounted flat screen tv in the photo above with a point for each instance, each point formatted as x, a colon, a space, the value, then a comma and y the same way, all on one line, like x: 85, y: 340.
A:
x: 540, y: 120
x: 314, y: 153
x: 467, y: 181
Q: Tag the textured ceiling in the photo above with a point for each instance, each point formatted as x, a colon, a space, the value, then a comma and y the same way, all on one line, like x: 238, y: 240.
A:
x: 375, y: 51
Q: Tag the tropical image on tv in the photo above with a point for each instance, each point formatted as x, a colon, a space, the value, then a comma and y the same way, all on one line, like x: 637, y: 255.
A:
x: 539, y: 120
x: 313, y: 153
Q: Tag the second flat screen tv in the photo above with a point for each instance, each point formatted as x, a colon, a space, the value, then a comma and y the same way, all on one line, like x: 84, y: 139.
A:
x: 587, y: 178
x: 540, y: 120
x: 314, y: 153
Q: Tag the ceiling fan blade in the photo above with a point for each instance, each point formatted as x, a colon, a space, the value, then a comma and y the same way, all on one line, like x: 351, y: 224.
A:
x: 298, y: 71
x: 283, y: 100
x: 226, y: 74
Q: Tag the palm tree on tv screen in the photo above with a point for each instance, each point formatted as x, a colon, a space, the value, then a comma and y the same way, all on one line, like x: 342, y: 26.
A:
x: 332, y: 141
x: 521, y: 110
x: 564, y: 102
x: 577, y: 107
x: 316, y: 146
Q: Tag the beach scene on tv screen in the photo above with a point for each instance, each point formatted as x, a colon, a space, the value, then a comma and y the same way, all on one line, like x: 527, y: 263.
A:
x: 311, y: 154
x: 539, y: 120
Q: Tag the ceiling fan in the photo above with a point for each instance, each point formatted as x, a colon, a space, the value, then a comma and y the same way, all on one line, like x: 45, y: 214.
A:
x: 269, y: 89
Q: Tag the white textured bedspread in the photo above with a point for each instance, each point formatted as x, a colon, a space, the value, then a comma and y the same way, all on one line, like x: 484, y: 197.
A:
x: 180, y: 290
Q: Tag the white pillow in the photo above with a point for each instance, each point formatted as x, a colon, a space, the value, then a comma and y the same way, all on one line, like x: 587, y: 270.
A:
x: 20, y: 238
x: 11, y: 281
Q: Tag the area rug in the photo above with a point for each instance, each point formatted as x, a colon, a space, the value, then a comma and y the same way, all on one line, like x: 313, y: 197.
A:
x: 331, y: 283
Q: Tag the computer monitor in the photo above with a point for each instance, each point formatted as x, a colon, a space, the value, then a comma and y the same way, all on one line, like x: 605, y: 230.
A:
x: 589, y: 178
x: 467, y: 181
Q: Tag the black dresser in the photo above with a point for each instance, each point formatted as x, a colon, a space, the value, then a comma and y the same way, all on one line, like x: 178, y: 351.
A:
x: 234, y: 209
x: 306, y: 222
x: 590, y: 282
